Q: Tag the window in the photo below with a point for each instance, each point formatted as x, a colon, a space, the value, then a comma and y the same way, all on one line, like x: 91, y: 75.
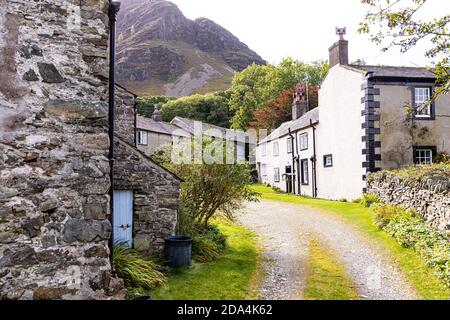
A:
x: 264, y: 170
x: 424, y: 155
x: 263, y: 150
x: 305, y: 171
x: 240, y: 152
x: 276, y: 149
x: 276, y: 174
x: 304, y: 141
x: 328, y: 160
x: 289, y: 145
x: 421, y: 102
x: 142, y: 137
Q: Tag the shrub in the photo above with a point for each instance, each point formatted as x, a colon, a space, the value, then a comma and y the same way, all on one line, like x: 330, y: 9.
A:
x: 208, y: 244
x: 368, y: 199
x: 411, y: 232
x: 384, y: 213
x: 136, y: 270
x: 443, y: 157
x: 209, y: 190
x: 342, y: 200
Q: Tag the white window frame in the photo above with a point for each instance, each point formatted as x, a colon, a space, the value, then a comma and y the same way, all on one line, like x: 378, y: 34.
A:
x: 276, y: 174
x: 264, y: 170
x: 423, y: 156
x: 304, y: 144
x: 328, y: 160
x: 289, y: 144
x: 305, y: 172
x: 276, y: 149
x: 263, y: 149
x: 422, y: 95
x: 142, y: 137
x: 240, y: 152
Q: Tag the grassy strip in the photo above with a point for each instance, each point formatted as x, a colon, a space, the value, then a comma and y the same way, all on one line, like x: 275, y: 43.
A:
x: 327, y: 277
x: 230, y: 277
x: 427, y: 285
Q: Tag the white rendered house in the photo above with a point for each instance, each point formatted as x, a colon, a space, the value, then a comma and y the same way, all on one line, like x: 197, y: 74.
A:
x: 360, y: 126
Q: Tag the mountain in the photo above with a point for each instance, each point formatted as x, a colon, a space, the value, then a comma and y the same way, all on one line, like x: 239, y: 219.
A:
x: 161, y: 52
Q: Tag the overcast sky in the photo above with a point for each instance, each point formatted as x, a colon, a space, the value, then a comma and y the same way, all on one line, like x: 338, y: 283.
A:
x: 303, y: 29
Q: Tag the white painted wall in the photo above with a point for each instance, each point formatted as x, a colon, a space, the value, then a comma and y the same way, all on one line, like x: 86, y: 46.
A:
x: 339, y: 133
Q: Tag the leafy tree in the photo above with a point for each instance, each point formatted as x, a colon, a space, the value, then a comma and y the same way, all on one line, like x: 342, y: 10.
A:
x: 210, y: 108
x: 210, y: 189
x: 146, y: 105
x: 399, y: 23
x: 279, y: 111
x: 256, y: 85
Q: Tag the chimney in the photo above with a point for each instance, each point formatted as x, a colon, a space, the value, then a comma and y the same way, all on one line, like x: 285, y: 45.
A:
x: 339, y: 50
x: 156, y: 115
x: 300, y: 105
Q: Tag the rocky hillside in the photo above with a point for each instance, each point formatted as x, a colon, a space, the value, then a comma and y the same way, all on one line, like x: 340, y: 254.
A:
x: 160, y: 51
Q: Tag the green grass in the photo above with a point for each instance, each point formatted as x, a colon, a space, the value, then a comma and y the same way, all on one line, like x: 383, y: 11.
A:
x: 327, y: 277
x: 231, y: 277
x: 421, y: 277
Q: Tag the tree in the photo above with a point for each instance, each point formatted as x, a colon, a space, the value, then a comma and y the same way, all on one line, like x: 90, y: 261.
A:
x: 256, y: 85
x: 210, y: 108
x: 146, y: 105
x: 398, y: 23
x: 279, y: 111
x: 210, y: 189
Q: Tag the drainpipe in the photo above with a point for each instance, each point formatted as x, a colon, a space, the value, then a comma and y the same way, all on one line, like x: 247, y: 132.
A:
x: 297, y: 160
x: 293, y: 163
x: 314, y: 161
x: 114, y: 7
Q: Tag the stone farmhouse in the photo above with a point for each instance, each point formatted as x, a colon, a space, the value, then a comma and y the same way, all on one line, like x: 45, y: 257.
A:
x: 57, y: 177
x: 369, y: 118
x: 153, y: 134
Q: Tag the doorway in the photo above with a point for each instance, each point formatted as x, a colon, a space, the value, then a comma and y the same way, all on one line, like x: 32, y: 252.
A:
x: 123, y: 218
x: 288, y: 179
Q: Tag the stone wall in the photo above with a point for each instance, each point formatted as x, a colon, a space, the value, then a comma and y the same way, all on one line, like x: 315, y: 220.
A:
x: 156, y: 196
x: 428, y: 195
x: 125, y: 115
x: 54, y: 171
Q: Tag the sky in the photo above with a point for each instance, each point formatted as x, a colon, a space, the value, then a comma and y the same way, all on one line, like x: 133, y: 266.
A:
x: 304, y: 29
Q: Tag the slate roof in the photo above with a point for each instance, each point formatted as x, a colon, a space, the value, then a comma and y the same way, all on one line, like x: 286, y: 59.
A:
x: 160, y: 127
x: 301, y: 123
x: 392, y: 71
x: 210, y: 130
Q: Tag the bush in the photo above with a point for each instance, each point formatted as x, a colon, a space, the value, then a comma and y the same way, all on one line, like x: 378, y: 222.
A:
x: 368, y: 199
x: 342, y: 200
x: 210, y: 190
x: 136, y: 270
x: 411, y: 232
x: 384, y: 213
x: 443, y: 157
x: 208, y: 244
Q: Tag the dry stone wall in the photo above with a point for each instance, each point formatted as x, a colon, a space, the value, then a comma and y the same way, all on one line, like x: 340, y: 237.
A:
x: 429, y: 195
x: 54, y: 171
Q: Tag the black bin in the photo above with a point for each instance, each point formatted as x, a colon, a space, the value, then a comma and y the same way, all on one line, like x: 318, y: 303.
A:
x: 178, y: 251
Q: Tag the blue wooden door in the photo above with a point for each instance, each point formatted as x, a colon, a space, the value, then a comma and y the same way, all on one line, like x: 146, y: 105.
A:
x: 123, y: 218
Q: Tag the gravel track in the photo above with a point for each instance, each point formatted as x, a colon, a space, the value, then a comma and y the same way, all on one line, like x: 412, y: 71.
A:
x: 286, y: 230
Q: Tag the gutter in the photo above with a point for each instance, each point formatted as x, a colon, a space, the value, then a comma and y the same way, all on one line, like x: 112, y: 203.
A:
x: 114, y: 7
